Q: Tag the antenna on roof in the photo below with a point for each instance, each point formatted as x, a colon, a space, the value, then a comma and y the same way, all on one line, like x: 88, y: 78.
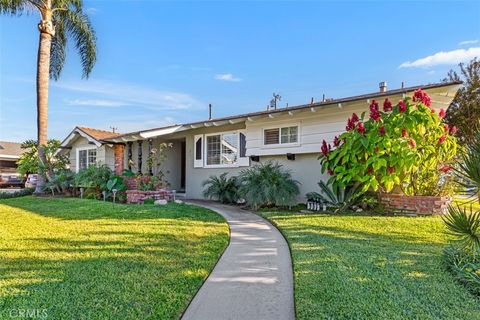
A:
x: 273, y: 102
x: 209, y: 111
x: 114, y: 129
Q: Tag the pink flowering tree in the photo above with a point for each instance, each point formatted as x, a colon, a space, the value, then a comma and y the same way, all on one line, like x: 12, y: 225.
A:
x: 405, y: 148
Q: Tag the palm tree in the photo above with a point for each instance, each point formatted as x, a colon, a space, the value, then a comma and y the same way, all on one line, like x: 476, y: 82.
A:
x: 60, y: 19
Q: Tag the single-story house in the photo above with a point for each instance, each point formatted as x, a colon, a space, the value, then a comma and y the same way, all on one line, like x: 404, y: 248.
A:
x: 292, y: 136
x: 10, y: 152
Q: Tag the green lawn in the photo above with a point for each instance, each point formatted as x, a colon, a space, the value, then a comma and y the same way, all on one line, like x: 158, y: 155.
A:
x: 372, y: 267
x: 86, y: 259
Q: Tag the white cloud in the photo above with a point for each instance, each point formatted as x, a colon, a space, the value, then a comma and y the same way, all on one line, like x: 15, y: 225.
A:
x: 129, y: 94
x: 227, y: 77
x: 463, y: 43
x: 95, y: 102
x: 444, y: 57
x: 91, y: 10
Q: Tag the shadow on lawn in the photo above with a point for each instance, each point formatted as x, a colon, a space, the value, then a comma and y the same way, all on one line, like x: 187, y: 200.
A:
x: 94, y: 279
x: 83, y: 209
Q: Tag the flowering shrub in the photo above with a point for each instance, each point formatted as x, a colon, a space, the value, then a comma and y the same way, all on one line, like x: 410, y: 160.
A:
x: 397, y: 147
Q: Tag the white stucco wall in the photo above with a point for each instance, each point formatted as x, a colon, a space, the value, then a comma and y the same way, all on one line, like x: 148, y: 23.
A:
x: 104, y: 153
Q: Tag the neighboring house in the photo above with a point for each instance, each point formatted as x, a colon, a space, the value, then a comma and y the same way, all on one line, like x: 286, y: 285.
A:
x: 291, y: 136
x: 10, y: 152
x: 85, y: 147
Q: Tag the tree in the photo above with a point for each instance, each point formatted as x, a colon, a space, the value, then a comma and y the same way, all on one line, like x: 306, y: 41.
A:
x: 60, y: 19
x: 464, y: 112
x: 29, y: 161
x: 404, y: 148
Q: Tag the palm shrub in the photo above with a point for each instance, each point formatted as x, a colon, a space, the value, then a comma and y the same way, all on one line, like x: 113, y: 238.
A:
x: 268, y: 184
x: 221, y: 188
x: 336, y: 198
x: 62, y: 181
x: 463, y: 256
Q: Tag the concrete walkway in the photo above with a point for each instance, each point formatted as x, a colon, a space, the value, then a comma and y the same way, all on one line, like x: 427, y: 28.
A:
x: 253, y: 279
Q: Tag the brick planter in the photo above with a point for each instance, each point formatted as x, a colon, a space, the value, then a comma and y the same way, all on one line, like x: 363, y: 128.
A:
x: 137, y: 196
x: 415, y: 204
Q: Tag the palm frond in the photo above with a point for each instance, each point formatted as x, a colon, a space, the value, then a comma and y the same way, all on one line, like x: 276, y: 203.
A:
x: 465, y: 226
x: 17, y: 7
x: 58, y: 52
x: 76, y: 24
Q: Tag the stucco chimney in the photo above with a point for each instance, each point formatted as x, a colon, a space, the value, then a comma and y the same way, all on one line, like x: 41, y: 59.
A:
x: 383, y: 86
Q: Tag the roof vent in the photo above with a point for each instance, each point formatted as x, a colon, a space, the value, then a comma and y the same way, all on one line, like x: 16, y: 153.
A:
x: 383, y: 86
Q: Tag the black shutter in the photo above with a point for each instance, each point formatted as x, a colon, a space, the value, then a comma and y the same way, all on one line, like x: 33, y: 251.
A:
x: 243, y: 145
x: 198, y: 149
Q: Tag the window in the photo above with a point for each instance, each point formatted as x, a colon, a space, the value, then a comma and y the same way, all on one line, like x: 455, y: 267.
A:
x: 222, y: 149
x: 280, y: 135
x: 86, y: 158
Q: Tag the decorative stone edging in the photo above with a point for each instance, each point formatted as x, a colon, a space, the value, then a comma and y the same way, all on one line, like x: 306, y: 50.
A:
x: 138, y: 196
x: 415, y: 204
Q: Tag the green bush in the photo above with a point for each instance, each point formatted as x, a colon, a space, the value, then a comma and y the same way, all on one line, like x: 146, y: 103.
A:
x: 19, y: 193
x: 62, y: 181
x: 149, y: 183
x: 94, y: 179
x: 149, y: 201
x: 395, y: 149
x: 268, y: 184
x: 222, y: 188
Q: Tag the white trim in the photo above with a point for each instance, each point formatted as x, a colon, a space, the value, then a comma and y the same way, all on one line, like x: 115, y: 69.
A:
x: 8, y: 156
x: 213, y: 166
x: 77, y: 159
x: 280, y: 144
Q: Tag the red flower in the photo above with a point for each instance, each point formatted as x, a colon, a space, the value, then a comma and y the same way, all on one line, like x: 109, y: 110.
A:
x: 441, y: 140
x: 382, y: 130
x: 330, y: 172
x: 442, y: 113
x: 350, y: 124
x: 390, y: 170
x: 374, y: 105
x: 325, y: 148
x: 446, y: 168
x: 336, y: 141
x: 412, y: 143
x: 355, y: 117
x: 370, y: 170
x: 404, y: 133
x: 402, y: 107
x: 375, y: 115
x: 453, y: 130
x: 387, y: 105
x: 361, y: 128
x: 446, y: 128
x: 421, y: 96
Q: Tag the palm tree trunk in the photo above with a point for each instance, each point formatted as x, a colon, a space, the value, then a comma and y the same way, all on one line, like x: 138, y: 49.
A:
x: 43, y: 69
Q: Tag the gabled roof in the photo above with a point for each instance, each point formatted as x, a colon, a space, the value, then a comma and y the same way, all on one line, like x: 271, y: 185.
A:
x: 450, y: 88
x: 94, y: 136
x: 11, y: 150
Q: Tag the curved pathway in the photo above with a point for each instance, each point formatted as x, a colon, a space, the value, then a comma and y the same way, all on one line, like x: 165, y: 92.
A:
x: 253, y: 279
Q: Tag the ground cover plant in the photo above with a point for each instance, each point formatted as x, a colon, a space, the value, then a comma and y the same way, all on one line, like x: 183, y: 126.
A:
x: 372, y: 267
x: 88, y: 259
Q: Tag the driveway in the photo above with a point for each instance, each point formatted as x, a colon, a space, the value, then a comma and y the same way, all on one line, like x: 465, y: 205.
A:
x: 253, y: 279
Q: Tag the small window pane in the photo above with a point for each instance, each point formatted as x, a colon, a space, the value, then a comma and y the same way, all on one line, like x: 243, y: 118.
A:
x: 271, y: 136
x: 229, y: 148
x: 92, y: 157
x: 82, y: 159
x: 213, y: 150
x: 289, y: 135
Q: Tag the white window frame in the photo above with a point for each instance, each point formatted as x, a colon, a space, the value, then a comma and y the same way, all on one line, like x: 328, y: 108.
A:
x: 280, y: 144
x: 234, y: 165
x: 77, y: 167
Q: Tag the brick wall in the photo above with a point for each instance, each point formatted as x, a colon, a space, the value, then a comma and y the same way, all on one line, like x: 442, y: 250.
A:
x: 118, y: 155
x: 137, y: 196
x: 415, y: 204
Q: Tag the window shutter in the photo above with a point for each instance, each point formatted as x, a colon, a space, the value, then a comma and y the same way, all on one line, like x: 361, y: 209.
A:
x: 198, y: 151
x: 243, y: 160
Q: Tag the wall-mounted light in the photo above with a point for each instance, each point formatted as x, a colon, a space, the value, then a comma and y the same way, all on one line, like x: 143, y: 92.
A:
x: 255, y: 158
x: 291, y: 156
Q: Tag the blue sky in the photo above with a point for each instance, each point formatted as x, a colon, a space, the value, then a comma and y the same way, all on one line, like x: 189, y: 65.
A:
x: 162, y: 62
